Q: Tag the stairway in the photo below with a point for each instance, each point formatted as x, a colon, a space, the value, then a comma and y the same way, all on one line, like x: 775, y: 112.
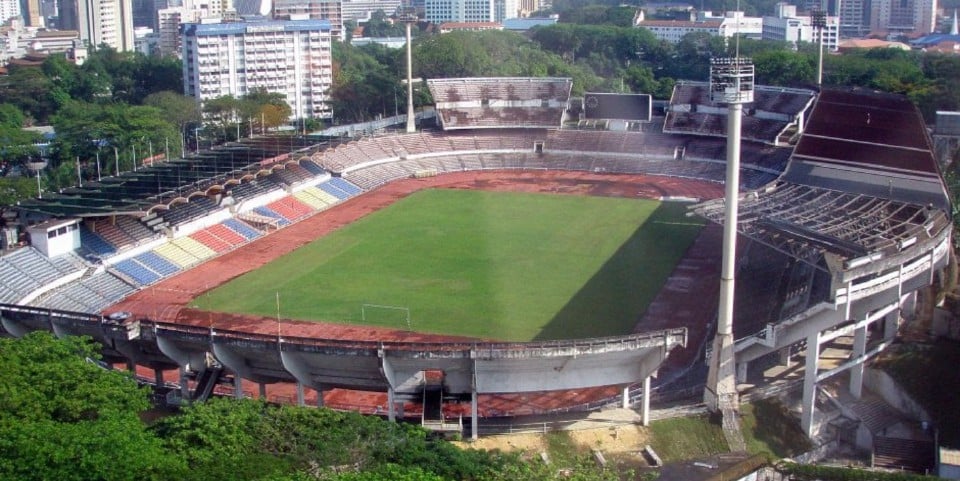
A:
x: 904, y: 454
x: 731, y: 431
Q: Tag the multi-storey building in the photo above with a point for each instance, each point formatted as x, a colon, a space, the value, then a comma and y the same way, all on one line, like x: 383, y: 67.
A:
x: 32, y: 15
x: 360, y: 10
x: 442, y: 11
x: 854, y: 18
x: 100, y: 22
x: 729, y: 25
x: 903, y: 16
x: 789, y: 27
x: 330, y: 10
x: 288, y: 57
x: 9, y: 9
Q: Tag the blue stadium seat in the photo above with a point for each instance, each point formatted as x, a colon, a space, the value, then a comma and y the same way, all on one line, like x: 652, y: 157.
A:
x: 96, y: 244
x: 268, y: 212
x: 137, y: 272
x: 246, y: 231
x: 157, y: 264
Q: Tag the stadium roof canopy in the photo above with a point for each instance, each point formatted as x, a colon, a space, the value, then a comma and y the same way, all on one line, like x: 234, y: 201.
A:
x: 862, y: 181
x: 135, y: 192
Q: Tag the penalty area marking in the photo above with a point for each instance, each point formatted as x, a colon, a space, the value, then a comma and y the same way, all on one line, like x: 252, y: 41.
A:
x: 405, y: 310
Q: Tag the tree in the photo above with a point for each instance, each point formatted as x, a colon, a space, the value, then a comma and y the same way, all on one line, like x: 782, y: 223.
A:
x: 175, y: 107
x: 381, y: 26
x: 15, y: 189
x: 63, y: 417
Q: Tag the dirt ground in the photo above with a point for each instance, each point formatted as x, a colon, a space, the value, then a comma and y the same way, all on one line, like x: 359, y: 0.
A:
x: 614, y: 439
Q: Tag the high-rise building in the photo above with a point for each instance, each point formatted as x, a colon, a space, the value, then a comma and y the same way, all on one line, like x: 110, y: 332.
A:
x: 854, y: 18
x: 790, y: 27
x: 903, y: 16
x: 441, y: 11
x: 32, y: 15
x: 100, y: 22
x: 288, y: 57
x: 9, y: 9
x: 330, y: 10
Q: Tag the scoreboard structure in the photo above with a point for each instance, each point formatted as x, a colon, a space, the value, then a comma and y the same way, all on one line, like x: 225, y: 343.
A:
x: 629, y: 107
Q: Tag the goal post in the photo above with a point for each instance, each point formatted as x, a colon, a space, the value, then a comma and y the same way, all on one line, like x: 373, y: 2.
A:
x: 383, y: 311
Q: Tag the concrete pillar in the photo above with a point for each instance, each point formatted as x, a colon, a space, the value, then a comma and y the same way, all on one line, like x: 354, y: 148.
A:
x: 184, y: 382
x: 856, y: 372
x: 474, y: 415
x: 786, y: 356
x: 742, y: 371
x: 890, y: 325
x: 263, y: 390
x: 237, y: 386
x: 158, y: 376
x: 300, y: 400
x: 808, y: 403
x: 131, y: 366
x: 625, y: 397
x: 391, y: 405
x: 645, y: 404
x: 319, y: 395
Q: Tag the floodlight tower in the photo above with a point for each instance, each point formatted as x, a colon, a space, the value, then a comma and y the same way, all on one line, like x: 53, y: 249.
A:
x: 731, y: 83
x: 818, y: 19
x: 409, y: 17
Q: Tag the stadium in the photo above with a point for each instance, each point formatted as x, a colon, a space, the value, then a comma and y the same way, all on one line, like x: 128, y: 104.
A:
x: 844, y: 218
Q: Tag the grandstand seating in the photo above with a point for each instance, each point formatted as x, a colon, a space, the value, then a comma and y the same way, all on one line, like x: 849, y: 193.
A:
x: 213, y: 242
x: 157, y: 263
x: 194, y: 248
x: 137, y: 272
x: 241, y: 228
x: 95, y: 244
x: 772, y: 111
x: 253, y: 188
x: 226, y: 234
x: 177, y: 255
x: 91, y: 295
x: 189, y: 211
x: 308, y: 198
x: 345, y: 186
x: 290, y: 208
x: 332, y: 189
x: 312, y: 167
x: 268, y: 212
x: 506, y: 102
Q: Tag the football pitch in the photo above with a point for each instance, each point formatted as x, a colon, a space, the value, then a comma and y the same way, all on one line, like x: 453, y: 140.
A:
x: 493, y: 265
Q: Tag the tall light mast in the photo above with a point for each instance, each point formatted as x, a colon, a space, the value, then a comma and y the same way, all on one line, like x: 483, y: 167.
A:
x: 731, y: 83
x: 818, y: 20
x: 409, y: 18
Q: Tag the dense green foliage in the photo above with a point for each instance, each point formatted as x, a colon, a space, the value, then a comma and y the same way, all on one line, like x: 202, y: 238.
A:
x: 594, y: 45
x: 813, y: 472
x: 937, y: 391
x: 511, y: 266
x: 64, y: 417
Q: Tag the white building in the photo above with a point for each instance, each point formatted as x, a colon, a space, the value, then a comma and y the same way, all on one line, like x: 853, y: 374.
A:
x: 329, y: 10
x: 9, y: 9
x: 729, y: 25
x: 442, y: 11
x: 100, y: 22
x: 289, y: 57
x: 360, y: 10
x: 790, y: 27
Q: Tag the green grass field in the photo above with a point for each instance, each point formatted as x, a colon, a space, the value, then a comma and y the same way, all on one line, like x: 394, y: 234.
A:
x: 508, y: 266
